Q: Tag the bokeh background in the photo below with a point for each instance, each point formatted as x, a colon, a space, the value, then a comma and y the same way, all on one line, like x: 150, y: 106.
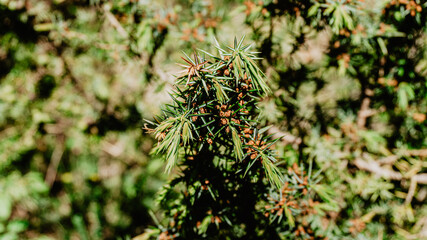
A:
x: 78, y: 78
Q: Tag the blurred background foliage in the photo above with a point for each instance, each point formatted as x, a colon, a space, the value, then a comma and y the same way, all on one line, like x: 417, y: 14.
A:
x: 78, y: 77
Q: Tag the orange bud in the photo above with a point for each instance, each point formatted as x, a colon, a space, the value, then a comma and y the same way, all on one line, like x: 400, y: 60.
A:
x: 224, y: 121
x: 419, y: 117
x: 264, y: 11
x: 227, y: 129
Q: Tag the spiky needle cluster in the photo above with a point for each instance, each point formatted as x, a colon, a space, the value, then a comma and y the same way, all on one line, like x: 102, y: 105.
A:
x: 214, y: 107
x: 225, y: 162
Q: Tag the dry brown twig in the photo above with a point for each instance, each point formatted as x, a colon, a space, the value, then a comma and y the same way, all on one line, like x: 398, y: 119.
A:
x: 374, y: 167
x: 411, y: 191
x: 116, y: 24
x: 54, y: 161
x: 365, y: 111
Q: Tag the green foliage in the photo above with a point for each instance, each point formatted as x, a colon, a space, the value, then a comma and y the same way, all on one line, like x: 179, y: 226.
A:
x: 350, y: 82
x: 348, y: 98
x: 75, y: 81
x: 228, y: 174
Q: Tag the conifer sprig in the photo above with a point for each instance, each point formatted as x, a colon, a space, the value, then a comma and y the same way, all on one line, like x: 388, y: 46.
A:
x: 214, y: 107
